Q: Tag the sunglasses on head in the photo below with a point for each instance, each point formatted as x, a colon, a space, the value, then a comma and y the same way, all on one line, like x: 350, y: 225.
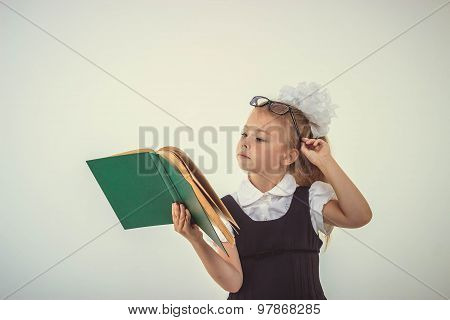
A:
x: 276, y: 107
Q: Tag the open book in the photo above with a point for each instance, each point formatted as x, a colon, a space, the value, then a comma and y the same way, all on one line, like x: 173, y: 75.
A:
x: 142, y: 184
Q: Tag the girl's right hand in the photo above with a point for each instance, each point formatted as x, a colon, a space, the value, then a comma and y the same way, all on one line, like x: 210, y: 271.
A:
x: 182, y: 223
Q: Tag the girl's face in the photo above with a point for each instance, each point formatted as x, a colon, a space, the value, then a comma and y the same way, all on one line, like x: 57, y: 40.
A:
x: 263, y: 146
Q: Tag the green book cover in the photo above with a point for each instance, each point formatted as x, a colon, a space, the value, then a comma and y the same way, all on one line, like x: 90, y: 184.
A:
x: 141, y: 188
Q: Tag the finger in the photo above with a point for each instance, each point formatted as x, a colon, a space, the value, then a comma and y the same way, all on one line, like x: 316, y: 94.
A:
x: 303, y: 147
x: 182, y: 211
x: 187, y: 220
x: 176, y: 216
x: 182, y: 215
x: 188, y: 216
x: 307, y: 147
x: 316, y: 142
x: 176, y: 211
x: 173, y: 215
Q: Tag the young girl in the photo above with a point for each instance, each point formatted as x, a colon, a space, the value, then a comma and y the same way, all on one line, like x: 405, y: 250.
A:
x: 293, y: 189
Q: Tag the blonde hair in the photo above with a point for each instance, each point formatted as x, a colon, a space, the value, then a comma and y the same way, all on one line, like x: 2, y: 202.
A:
x: 304, y: 172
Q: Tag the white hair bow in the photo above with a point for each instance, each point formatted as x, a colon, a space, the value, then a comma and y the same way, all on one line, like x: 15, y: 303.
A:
x: 315, y: 104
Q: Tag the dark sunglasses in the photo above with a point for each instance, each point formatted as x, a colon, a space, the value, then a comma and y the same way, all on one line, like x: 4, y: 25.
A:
x: 276, y: 107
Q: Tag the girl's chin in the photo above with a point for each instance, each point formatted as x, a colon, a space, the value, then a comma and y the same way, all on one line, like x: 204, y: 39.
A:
x: 246, y: 165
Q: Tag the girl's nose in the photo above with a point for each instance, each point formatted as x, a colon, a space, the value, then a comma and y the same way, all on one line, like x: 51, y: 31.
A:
x: 245, y: 143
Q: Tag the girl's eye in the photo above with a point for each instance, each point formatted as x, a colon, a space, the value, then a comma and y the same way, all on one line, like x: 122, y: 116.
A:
x: 257, y: 139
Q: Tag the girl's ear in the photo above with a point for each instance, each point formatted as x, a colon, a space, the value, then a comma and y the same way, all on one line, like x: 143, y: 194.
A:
x: 290, y: 156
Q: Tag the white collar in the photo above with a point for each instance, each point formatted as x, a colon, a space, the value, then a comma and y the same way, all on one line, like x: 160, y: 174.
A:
x: 248, y: 193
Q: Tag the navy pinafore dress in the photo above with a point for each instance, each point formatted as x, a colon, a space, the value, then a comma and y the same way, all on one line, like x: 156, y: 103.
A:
x: 279, y: 258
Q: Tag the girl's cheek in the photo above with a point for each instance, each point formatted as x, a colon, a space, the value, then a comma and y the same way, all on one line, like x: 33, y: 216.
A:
x: 273, y: 155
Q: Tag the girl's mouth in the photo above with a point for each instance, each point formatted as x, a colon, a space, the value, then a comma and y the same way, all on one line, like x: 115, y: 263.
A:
x: 243, y: 155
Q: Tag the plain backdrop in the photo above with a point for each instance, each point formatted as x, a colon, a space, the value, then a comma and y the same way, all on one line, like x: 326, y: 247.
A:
x: 80, y: 78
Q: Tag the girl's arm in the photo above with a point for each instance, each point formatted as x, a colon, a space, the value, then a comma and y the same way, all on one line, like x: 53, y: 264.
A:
x: 351, y: 210
x: 226, y: 271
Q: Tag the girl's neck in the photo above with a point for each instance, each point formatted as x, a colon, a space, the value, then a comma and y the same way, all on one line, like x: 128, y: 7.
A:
x: 265, y: 182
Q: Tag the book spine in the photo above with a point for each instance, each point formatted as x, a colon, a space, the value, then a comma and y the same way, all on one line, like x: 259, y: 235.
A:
x: 169, y: 183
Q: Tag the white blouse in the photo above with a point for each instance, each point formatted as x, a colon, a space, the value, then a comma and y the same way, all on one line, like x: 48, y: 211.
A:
x: 274, y: 203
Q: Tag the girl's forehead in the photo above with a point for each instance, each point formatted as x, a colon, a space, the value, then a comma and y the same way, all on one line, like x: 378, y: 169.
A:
x: 264, y: 121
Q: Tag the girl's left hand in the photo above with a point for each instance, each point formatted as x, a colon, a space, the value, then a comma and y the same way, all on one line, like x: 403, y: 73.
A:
x: 316, y: 150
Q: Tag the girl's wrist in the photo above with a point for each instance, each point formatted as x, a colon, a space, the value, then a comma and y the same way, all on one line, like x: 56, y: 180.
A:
x: 196, y: 241
x: 325, y: 163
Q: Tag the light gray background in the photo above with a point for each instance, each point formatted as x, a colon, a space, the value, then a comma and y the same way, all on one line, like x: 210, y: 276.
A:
x: 202, y: 61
